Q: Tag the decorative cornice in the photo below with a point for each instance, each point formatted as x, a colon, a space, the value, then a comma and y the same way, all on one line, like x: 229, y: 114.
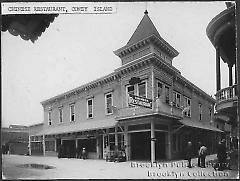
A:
x: 161, y: 43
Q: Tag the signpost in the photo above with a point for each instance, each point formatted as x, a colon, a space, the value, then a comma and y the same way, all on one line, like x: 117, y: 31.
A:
x: 139, y: 101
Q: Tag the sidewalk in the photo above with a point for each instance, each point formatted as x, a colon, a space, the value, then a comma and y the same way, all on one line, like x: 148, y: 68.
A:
x: 77, y: 168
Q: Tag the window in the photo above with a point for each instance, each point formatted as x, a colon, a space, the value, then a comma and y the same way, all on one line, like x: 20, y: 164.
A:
x: 90, y: 108
x: 210, y: 112
x: 187, y: 107
x: 200, y: 111
x: 60, y: 115
x: 49, y: 118
x: 177, y: 99
x: 159, y: 89
x: 72, y: 112
x: 167, y: 94
x: 108, y: 103
x: 142, y: 89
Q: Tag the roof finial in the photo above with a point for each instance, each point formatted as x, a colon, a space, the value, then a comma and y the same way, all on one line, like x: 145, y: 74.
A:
x: 146, y: 12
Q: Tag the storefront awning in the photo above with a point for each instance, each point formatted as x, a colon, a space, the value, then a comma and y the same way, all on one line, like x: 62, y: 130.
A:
x: 76, y: 127
x: 197, y: 124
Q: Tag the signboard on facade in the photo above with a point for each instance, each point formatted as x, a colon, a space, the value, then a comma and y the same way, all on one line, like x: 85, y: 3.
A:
x: 139, y: 101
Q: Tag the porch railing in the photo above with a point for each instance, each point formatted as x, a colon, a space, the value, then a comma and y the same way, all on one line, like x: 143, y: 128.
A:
x: 227, y: 93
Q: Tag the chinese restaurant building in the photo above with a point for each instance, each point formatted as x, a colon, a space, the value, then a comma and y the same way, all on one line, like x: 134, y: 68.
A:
x: 145, y: 107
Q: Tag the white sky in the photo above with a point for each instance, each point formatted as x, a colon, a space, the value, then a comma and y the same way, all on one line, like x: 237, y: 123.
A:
x: 78, y: 48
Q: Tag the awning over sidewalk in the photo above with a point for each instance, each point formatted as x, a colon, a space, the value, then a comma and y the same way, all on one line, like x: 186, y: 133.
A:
x: 197, y: 124
x: 79, y: 126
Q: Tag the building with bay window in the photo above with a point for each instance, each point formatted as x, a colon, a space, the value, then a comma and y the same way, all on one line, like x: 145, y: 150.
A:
x: 145, y: 107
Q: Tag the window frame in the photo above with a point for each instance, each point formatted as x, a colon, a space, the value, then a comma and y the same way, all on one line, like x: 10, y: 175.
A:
x: 185, y: 103
x: 72, y: 105
x: 60, y: 114
x: 49, y: 117
x: 90, y: 99
x: 175, y: 99
x: 137, y: 85
x: 159, y: 82
x: 106, y: 110
x: 200, y: 111
x: 167, y: 97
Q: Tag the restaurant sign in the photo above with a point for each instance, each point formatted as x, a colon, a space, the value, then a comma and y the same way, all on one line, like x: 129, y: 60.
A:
x: 139, y: 101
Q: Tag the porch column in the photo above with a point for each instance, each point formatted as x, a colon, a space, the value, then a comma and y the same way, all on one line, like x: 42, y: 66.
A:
x: 76, y: 143
x: 98, y: 144
x: 29, y: 145
x: 152, y: 142
x: 230, y: 75
x: 218, y: 73
x: 235, y: 73
x: 43, y: 143
x: 126, y: 144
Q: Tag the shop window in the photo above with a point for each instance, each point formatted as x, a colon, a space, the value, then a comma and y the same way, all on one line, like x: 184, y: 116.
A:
x: 120, y: 138
x: 90, y: 108
x: 50, y: 145
x: 108, y: 103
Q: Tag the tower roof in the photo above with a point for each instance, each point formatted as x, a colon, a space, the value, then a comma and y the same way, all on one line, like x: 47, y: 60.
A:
x: 145, y: 29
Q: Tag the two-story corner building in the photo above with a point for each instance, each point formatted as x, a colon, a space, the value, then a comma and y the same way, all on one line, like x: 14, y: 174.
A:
x: 145, y: 107
x: 221, y: 31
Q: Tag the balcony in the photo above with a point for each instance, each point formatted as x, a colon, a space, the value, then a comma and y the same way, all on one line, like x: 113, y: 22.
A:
x: 227, y: 99
x: 159, y: 108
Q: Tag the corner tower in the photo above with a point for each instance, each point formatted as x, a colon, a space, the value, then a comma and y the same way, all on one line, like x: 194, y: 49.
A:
x: 144, y: 41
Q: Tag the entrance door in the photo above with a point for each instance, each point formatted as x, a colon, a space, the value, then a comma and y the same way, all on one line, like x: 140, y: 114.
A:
x: 140, y: 146
x: 69, y: 148
x: 160, y: 145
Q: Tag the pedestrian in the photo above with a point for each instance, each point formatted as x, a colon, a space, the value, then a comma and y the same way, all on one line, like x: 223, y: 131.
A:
x: 221, y: 155
x: 202, y: 154
x: 84, y: 154
x: 189, y: 153
x: 199, y: 158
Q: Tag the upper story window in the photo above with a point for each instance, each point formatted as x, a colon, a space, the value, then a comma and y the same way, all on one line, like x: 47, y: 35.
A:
x: 159, y: 89
x: 167, y: 91
x: 200, y: 111
x: 90, y: 108
x: 49, y: 118
x: 60, y: 115
x: 177, y: 99
x: 72, y: 112
x: 108, y: 103
x: 187, y: 107
x: 210, y: 112
x: 142, y: 89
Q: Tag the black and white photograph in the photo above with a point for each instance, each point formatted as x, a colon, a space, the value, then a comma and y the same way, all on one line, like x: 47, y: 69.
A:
x: 119, y: 90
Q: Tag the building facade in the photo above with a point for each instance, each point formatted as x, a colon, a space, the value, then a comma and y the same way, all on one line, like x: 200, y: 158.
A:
x: 145, y: 108
x: 222, y: 33
x: 14, y: 140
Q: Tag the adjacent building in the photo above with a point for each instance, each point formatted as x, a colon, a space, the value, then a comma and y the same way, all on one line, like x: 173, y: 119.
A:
x: 222, y: 33
x: 14, y: 140
x: 145, y: 107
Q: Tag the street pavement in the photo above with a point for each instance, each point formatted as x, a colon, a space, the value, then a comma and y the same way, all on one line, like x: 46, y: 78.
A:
x: 65, y: 168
